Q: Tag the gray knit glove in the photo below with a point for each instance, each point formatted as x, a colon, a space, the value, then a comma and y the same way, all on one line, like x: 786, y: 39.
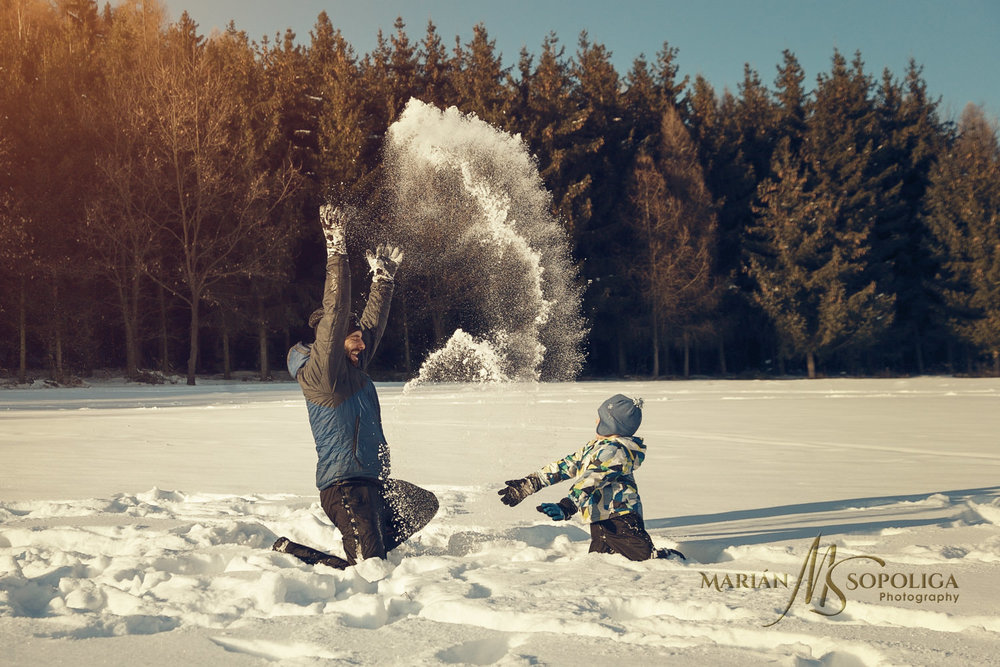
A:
x: 384, y: 262
x: 519, y: 489
x: 333, y: 219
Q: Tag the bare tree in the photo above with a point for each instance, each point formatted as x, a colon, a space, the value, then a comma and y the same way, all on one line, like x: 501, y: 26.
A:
x: 14, y: 252
x: 217, y: 202
x: 123, y: 214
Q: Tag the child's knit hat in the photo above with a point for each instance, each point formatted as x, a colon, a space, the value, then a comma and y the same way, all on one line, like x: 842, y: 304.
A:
x: 620, y: 415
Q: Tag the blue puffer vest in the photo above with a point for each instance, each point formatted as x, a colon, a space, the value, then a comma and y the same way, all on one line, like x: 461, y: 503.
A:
x: 348, y: 436
x: 341, y: 400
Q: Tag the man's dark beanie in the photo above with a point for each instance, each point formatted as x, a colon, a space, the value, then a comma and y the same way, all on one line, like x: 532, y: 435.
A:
x: 317, y: 315
x: 619, y: 415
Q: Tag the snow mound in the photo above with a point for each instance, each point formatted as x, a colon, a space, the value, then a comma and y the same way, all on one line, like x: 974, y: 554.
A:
x: 464, y: 358
x: 987, y: 512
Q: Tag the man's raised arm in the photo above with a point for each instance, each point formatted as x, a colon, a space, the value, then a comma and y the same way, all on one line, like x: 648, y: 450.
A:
x: 328, y: 350
x: 384, y: 263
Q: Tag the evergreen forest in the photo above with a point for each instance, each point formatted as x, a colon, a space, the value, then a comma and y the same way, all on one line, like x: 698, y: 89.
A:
x: 159, y: 191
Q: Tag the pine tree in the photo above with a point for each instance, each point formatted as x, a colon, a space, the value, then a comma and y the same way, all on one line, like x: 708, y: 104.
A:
x: 376, y: 106
x: 807, y: 265
x: 757, y: 120
x: 480, y: 79
x: 647, y: 96
x: 669, y: 89
x: 730, y: 180
x: 342, y: 126
x: 790, y: 101
x: 963, y: 215
x: 847, y: 157
x: 546, y: 116
x: 643, y: 106
x: 293, y: 107
x: 403, y: 69
x: 598, y: 169
x: 914, y: 136
x: 434, y: 81
x: 674, y: 222
x: 750, y: 124
x: 596, y: 195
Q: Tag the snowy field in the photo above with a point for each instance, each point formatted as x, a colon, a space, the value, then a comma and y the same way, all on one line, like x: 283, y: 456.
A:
x: 136, y: 521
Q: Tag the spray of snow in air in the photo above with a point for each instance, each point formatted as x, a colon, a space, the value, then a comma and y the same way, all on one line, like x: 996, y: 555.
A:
x: 479, y: 234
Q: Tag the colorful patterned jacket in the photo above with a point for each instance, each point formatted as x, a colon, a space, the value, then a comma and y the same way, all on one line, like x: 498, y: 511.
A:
x: 603, y: 470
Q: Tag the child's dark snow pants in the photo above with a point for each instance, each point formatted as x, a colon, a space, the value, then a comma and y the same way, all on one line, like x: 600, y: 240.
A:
x: 621, y: 534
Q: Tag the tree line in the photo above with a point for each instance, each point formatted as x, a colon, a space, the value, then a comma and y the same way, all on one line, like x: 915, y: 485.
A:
x: 158, y: 196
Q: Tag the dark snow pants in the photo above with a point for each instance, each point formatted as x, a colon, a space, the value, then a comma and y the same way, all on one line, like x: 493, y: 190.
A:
x: 622, y: 534
x: 376, y: 517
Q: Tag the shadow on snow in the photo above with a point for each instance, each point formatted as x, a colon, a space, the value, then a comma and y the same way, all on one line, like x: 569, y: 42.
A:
x: 707, y: 536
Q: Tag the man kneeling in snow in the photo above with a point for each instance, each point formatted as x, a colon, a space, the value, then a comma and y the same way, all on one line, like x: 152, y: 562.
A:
x: 374, y: 514
x: 605, y: 491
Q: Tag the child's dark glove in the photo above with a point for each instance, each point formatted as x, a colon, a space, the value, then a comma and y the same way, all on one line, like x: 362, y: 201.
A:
x: 560, y: 511
x: 519, y: 489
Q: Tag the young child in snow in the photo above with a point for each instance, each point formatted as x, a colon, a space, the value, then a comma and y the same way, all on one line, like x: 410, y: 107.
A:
x: 604, y: 490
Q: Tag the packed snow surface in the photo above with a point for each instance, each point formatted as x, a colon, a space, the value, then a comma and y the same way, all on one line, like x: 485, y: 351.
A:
x: 136, y: 524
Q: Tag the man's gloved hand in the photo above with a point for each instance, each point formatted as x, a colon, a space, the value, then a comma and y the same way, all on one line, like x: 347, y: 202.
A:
x: 519, y: 489
x: 384, y: 262
x: 560, y: 511
x: 333, y: 219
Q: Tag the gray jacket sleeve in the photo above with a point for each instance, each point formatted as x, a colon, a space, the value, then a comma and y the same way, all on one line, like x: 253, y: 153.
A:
x: 374, y: 318
x: 327, y: 358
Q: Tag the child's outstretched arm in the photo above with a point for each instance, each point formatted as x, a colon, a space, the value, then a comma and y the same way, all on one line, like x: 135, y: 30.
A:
x: 565, y: 468
x: 519, y: 489
x: 557, y: 471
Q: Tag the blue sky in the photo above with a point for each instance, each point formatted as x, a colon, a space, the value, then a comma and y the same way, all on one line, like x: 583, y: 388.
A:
x: 956, y: 41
